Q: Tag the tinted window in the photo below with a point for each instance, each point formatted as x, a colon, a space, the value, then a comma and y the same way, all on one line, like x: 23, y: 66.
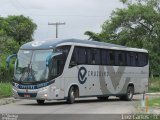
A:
x: 128, y: 59
x: 104, y: 55
x: 89, y: 55
x: 93, y: 56
x: 97, y: 56
x: 120, y: 58
x: 57, y: 66
x: 81, y: 55
x: 74, y: 58
x: 145, y: 59
x: 63, y: 49
x: 133, y: 58
x: 78, y: 56
x: 142, y: 59
x: 111, y: 58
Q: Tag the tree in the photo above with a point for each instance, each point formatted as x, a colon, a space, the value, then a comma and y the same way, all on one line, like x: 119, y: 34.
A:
x: 14, y: 31
x: 136, y: 25
x: 7, y: 46
x: 20, y: 28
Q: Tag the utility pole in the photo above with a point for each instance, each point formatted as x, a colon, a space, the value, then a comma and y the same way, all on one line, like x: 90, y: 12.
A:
x: 57, y: 24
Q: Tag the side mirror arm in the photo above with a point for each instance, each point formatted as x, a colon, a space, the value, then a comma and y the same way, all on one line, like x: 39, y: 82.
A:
x: 9, y: 59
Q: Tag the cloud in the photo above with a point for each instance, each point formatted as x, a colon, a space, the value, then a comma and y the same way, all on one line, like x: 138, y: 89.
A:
x: 79, y: 15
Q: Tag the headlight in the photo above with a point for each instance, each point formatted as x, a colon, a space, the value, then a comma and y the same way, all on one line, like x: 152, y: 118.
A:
x: 45, y: 95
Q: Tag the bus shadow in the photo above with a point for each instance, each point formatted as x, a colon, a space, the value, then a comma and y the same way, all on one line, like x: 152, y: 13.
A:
x: 63, y: 102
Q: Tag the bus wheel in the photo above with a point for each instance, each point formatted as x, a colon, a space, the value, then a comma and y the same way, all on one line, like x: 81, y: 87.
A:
x: 71, y: 96
x: 130, y: 93
x: 103, y: 98
x: 40, y: 102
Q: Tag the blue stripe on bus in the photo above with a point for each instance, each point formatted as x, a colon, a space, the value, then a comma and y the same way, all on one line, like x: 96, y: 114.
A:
x: 33, y: 86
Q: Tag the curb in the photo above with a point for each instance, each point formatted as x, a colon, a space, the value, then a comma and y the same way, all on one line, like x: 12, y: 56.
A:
x: 5, y: 101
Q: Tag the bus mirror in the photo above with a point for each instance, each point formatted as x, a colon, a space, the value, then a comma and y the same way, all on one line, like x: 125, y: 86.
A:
x: 48, y: 60
x: 50, y: 57
x: 9, y: 59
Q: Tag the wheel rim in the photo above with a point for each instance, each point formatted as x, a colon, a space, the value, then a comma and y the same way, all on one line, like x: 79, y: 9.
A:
x: 72, y: 95
x: 130, y: 93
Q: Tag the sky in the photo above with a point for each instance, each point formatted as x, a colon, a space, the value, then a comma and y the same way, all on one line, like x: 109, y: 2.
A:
x: 79, y: 15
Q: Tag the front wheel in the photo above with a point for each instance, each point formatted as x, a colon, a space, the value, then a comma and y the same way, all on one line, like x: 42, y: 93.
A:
x: 71, y: 96
x: 40, y: 102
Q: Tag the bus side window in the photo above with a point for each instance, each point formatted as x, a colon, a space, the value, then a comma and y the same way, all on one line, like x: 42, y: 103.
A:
x: 93, y: 56
x: 57, y: 66
x: 81, y: 55
x: 128, y: 59
x: 97, y: 57
x: 133, y: 59
x: 89, y: 56
x: 104, y: 55
x: 120, y: 58
x: 111, y: 58
x: 145, y: 59
x: 142, y: 59
x: 74, y: 59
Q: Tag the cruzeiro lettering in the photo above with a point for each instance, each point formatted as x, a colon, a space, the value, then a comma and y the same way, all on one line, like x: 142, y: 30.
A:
x: 97, y: 73
x: 83, y: 73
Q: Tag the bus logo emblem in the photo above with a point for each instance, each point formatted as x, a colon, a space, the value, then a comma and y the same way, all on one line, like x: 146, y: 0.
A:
x: 82, y: 75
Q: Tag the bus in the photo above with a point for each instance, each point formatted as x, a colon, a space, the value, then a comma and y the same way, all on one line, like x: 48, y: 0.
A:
x: 71, y: 68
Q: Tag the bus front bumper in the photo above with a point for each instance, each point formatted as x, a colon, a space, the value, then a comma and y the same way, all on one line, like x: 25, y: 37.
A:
x: 45, y: 93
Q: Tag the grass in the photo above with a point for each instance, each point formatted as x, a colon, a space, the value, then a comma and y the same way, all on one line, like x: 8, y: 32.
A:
x: 154, y: 85
x: 5, y: 90
x: 154, y: 102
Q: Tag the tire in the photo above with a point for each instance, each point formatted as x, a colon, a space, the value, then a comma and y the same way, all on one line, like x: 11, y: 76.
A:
x: 71, y: 96
x: 129, y: 93
x: 40, y: 102
x: 103, y: 98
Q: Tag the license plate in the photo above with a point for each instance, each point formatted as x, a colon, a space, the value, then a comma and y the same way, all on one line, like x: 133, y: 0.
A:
x: 26, y: 95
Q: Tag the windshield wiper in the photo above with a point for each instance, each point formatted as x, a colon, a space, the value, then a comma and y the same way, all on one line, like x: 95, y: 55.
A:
x: 24, y: 72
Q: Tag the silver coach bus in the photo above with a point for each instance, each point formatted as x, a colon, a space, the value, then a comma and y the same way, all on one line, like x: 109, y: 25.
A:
x: 72, y: 68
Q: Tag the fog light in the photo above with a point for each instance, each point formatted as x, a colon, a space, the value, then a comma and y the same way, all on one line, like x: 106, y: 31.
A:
x: 45, y: 95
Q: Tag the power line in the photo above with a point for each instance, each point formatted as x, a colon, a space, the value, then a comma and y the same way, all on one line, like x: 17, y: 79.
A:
x: 57, y: 24
x: 22, y: 6
x: 15, y: 6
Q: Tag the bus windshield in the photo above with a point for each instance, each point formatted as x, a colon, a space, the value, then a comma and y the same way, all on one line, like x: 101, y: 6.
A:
x: 31, y: 65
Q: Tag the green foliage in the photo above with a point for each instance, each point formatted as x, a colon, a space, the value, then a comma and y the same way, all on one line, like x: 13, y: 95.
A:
x: 20, y: 28
x: 7, y: 46
x: 154, y: 85
x: 154, y: 102
x: 136, y: 25
x: 14, y: 31
x: 92, y: 35
x: 5, y: 90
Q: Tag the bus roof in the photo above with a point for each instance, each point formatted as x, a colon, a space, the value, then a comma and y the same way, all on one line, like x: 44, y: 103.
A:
x: 50, y: 44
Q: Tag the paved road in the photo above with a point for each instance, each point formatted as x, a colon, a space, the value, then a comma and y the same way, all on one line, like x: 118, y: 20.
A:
x: 82, y: 106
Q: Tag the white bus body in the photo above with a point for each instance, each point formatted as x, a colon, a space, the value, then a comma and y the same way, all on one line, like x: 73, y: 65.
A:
x: 89, y: 69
